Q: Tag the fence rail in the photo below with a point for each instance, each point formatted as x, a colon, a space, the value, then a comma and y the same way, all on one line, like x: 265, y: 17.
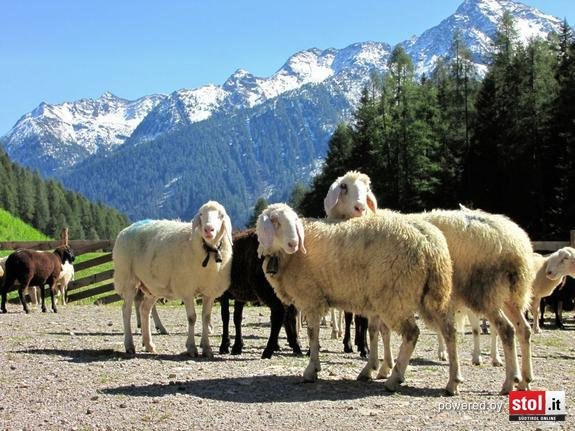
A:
x: 90, y: 283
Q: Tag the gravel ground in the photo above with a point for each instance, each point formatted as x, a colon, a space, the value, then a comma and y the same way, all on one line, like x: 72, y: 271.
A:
x: 68, y: 371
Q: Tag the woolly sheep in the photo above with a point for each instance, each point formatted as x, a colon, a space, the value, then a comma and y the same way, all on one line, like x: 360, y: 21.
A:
x: 174, y: 260
x: 34, y: 268
x: 385, y: 268
x: 491, y: 265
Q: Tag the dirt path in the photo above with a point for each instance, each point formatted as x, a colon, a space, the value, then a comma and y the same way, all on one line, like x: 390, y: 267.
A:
x: 68, y: 371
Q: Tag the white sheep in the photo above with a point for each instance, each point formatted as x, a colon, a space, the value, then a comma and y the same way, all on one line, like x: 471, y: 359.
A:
x: 385, y: 268
x: 549, y: 271
x: 174, y: 260
x: 491, y: 265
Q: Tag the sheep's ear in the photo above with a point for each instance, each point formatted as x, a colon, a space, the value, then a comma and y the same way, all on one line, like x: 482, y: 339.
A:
x: 266, y: 232
x: 228, y: 227
x: 332, y: 197
x: 371, y: 202
x: 301, y: 235
x: 196, y: 221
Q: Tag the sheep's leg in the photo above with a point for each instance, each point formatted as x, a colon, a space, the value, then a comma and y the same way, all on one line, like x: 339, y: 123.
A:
x: 475, y: 323
x: 191, y: 312
x: 495, y: 358
x: 448, y: 331
x: 559, y: 314
x: 145, y: 308
x: 361, y: 326
x: 23, y: 300
x: 387, y: 364
x: 5, y: 286
x: 524, y: 336
x: 441, y: 348
x: 347, y: 347
x: 52, y: 288
x: 127, y: 317
x: 507, y: 334
x: 313, y: 367
x: 335, y: 330
x: 277, y: 318
x: 238, y: 346
x: 225, y: 313
x: 290, y: 325
x: 409, y: 333
x: 137, y: 304
x: 535, y: 314
x: 158, y: 322
x: 42, y: 298
x: 207, y: 304
x: 541, y: 312
x: 373, y: 360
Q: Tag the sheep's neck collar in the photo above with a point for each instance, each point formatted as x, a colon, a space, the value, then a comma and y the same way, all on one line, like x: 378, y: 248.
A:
x: 273, y: 264
x: 211, y: 249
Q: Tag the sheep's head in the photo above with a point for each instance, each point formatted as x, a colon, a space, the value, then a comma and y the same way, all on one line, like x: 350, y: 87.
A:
x: 65, y: 253
x: 561, y: 263
x: 279, y: 228
x: 350, y: 196
x: 213, y: 223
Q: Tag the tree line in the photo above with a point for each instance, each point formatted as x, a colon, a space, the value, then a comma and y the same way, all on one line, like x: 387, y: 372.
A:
x: 504, y: 143
x: 48, y: 207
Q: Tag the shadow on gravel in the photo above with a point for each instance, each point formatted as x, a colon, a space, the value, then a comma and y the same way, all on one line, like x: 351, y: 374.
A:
x: 103, y: 355
x: 270, y: 389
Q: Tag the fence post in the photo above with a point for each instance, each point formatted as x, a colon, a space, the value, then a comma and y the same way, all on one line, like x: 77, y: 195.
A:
x: 64, y: 236
x: 573, y: 238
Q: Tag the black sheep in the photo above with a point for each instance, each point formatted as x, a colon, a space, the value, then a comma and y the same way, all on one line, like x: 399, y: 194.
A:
x: 34, y: 268
x: 248, y: 284
x: 562, y: 298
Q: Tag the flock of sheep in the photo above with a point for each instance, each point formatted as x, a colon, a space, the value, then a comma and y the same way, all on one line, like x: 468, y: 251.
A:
x: 386, y: 266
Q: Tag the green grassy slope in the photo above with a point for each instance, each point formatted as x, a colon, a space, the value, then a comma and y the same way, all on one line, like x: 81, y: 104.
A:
x: 14, y: 229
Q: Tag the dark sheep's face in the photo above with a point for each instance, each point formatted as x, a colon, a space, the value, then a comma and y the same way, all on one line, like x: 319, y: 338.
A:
x: 66, y: 254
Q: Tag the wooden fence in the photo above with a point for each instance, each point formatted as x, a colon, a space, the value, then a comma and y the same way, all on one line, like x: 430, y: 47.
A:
x: 89, y: 282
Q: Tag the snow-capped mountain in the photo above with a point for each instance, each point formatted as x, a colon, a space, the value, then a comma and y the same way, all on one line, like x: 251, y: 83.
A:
x: 55, y: 136
x: 300, y: 105
x: 476, y: 21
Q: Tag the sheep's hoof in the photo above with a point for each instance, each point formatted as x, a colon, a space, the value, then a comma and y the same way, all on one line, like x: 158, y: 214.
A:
x: 497, y: 362
x: 391, y: 385
x: 442, y: 356
x: 267, y: 354
x: 297, y: 351
x: 523, y: 386
x: 131, y: 351
x: 347, y: 348
x: 162, y: 331
x: 334, y: 335
x: 476, y: 360
x: 207, y: 353
x: 384, y: 373
x: 365, y: 374
x: 150, y: 348
x: 537, y: 330
x: 451, y: 391
x: 224, y: 348
x: 237, y: 348
x: 310, y: 377
x: 193, y: 352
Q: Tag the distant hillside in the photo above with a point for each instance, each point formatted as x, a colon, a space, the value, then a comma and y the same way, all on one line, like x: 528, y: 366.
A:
x: 14, y: 229
x: 48, y: 207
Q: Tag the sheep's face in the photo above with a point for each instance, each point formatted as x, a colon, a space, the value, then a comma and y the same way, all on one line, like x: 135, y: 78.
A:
x: 279, y: 228
x: 65, y: 253
x: 213, y: 222
x: 561, y: 263
x: 350, y: 196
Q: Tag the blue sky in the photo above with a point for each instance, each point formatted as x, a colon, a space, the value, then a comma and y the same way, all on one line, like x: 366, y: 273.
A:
x: 64, y: 50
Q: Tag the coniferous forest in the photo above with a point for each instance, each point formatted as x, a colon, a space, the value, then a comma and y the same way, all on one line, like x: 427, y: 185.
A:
x: 47, y: 206
x: 504, y: 143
